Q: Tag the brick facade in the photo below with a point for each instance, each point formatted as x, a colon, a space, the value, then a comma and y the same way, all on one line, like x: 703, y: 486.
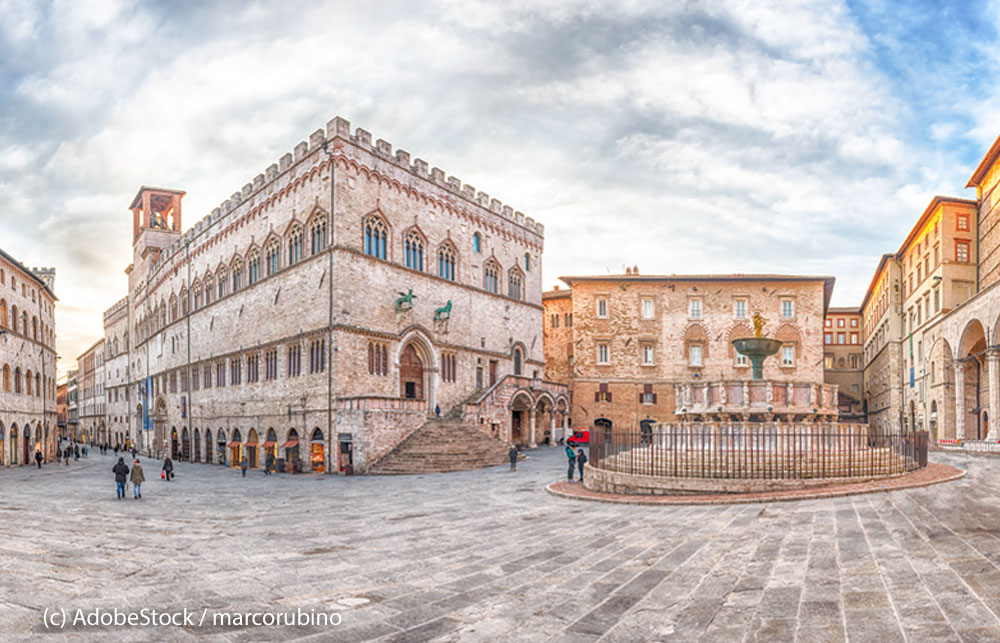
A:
x: 635, y: 337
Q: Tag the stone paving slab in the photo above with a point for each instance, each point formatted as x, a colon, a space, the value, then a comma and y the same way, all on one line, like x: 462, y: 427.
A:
x: 491, y: 556
x: 933, y: 473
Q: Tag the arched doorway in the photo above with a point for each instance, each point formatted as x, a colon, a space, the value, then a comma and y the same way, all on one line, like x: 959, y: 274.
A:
x: 317, y: 453
x: 197, y: 446
x: 185, y: 444
x: 13, y: 444
x: 411, y: 374
x: 974, y: 394
x: 236, y: 449
x: 520, y: 406
x: 208, y: 446
x: 934, y: 420
x: 271, y: 447
x: 27, y: 445
x: 605, y: 425
x: 3, y: 441
x: 252, y: 449
x: 220, y: 446
x: 291, y: 449
x: 174, y: 443
x: 646, y: 430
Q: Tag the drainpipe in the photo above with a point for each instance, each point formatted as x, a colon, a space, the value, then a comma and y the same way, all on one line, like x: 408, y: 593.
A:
x: 327, y: 147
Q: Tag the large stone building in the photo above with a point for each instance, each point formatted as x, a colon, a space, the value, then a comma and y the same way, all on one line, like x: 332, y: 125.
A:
x: 28, y: 413
x: 843, y: 360
x: 883, y: 329
x: 930, y: 320
x: 91, y: 404
x: 627, y: 344
x: 117, y: 392
x: 72, y: 406
x: 325, y: 312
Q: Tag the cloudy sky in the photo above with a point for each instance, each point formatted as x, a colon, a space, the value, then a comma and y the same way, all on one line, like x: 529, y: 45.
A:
x: 801, y: 137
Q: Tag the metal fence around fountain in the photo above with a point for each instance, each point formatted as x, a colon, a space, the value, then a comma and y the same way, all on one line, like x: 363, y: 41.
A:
x: 757, y: 452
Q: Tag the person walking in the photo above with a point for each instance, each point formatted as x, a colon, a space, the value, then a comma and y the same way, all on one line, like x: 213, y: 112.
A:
x: 137, y: 479
x: 76, y: 452
x: 581, y: 459
x: 512, y: 454
x: 66, y: 456
x: 121, y: 475
x: 572, y: 462
x: 243, y: 466
x: 85, y: 451
x: 134, y: 453
x: 168, y: 468
x: 38, y: 459
x: 268, y: 463
x: 437, y: 410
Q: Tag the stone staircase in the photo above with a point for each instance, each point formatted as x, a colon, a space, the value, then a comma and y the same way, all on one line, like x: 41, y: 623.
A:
x: 441, y: 445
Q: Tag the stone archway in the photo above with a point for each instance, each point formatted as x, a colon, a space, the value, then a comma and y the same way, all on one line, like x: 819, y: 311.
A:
x: 521, y: 406
x: 971, y: 392
x: 185, y: 445
x: 411, y: 374
x: 417, y: 368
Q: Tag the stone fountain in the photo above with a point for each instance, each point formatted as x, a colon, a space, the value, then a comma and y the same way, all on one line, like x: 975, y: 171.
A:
x: 757, y: 348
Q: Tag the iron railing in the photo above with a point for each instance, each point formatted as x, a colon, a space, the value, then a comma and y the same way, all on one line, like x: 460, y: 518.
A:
x: 765, y: 451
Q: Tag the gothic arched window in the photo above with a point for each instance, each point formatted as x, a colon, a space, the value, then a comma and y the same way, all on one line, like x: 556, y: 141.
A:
x: 491, y: 276
x: 376, y: 235
x: 253, y: 267
x: 294, y: 245
x: 515, y: 284
x: 237, y: 274
x: 414, y: 248
x: 272, y: 257
x: 317, y: 232
x: 223, y: 280
x: 446, y: 261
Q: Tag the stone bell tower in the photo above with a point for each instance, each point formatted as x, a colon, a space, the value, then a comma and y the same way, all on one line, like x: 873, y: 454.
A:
x: 156, y: 224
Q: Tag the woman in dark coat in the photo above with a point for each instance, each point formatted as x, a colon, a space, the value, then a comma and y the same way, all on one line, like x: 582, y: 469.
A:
x: 168, y: 468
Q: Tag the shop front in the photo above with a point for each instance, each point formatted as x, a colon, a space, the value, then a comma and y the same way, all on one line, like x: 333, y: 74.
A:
x: 271, y: 448
x: 251, y: 450
x: 236, y: 449
x: 317, y: 451
x: 291, y: 451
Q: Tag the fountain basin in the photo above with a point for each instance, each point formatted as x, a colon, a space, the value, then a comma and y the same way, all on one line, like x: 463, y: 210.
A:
x: 757, y: 349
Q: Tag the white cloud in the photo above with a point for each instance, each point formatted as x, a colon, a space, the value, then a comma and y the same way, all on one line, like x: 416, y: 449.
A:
x: 718, y: 136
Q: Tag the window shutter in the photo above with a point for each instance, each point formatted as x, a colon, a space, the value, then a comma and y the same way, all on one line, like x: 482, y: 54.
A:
x: 640, y: 398
x: 654, y: 398
x: 609, y: 397
x: 597, y: 396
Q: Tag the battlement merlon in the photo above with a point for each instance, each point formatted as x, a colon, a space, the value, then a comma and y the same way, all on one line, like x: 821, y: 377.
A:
x: 117, y: 307
x: 341, y: 128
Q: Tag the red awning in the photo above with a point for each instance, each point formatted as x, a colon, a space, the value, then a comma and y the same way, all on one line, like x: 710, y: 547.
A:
x: 292, y: 442
x: 269, y: 444
x: 234, y: 443
x: 251, y: 444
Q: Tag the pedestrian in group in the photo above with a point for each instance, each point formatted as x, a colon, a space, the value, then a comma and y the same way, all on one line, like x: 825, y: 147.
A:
x: 66, y: 456
x: 38, y: 459
x: 437, y: 410
x: 121, y: 475
x: 85, y: 451
x: 137, y: 479
x: 512, y: 455
x: 76, y: 452
x: 168, y: 469
x: 572, y: 462
x: 134, y: 453
x: 581, y: 459
x: 116, y: 449
x: 243, y: 466
x: 268, y: 463
x: 58, y: 455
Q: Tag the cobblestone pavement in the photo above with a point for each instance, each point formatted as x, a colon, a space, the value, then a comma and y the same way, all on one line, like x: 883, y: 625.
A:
x: 489, y: 555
